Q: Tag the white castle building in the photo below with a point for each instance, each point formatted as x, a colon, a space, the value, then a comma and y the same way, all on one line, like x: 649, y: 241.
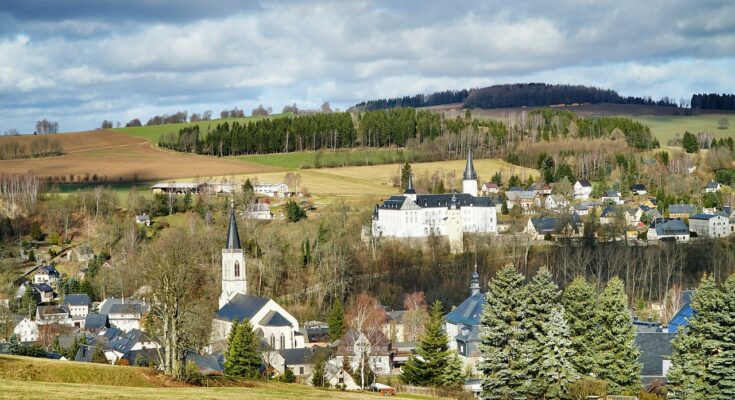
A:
x: 272, y: 323
x: 453, y: 214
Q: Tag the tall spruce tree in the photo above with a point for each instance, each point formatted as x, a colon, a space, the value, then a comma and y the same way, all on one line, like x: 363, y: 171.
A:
x: 615, y: 349
x: 337, y: 325
x: 243, y: 358
x: 453, y: 375
x: 503, y: 364
x: 557, y: 370
x: 721, y: 371
x: 429, y: 366
x: 695, y: 344
x: 579, y: 299
x: 542, y: 296
x: 405, y: 175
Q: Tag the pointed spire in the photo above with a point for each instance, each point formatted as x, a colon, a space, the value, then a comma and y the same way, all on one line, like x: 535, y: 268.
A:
x: 409, y: 185
x: 469, y: 169
x: 233, y: 238
x: 475, y: 283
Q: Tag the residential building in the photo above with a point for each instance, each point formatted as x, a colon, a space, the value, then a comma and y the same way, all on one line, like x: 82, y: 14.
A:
x: 178, y: 187
x: 541, y: 228
x: 418, y: 216
x: 125, y: 314
x: 336, y: 376
x: 681, y: 210
x: 44, y: 292
x: 582, y: 189
x: 259, y: 211
x: 542, y: 188
x: 300, y: 361
x: 96, y: 323
x: 26, y: 330
x: 611, y: 196
x: 668, y: 230
x: 271, y: 189
x: 46, y: 274
x: 709, y: 225
x: 393, y: 328
x: 78, y: 304
x: 46, y: 315
x: 489, y: 188
x: 526, y: 199
x: 712, y: 187
x: 462, y: 324
x: 278, y: 329
x: 638, y: 189
x: 373, y: 346
x: 556, y: 202
x: 655, y: 354
x: 143, y: 219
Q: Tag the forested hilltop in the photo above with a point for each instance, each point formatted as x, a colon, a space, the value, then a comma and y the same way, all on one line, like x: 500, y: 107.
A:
x: 431, y: 135
x: 514, y: 95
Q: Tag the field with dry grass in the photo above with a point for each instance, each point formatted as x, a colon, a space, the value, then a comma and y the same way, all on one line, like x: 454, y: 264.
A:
x: 113, y: 157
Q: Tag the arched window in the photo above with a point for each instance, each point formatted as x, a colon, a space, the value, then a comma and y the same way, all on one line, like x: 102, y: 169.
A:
x: 273, y: 341
x: 237, y: 269
x: 283, y: 341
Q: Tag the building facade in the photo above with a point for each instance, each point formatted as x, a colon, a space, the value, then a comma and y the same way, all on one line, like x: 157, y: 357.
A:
x: 709, y: 225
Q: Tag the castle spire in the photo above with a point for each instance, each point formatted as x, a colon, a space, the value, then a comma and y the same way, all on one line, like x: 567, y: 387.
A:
x: 233, y: 238
x: 409, y: 185
x: 469, y: 169
x: 475, y: 283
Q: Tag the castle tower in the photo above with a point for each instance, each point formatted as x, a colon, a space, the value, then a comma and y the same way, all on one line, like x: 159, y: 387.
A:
x: 410, y: 191
x: 469, y: 182
x: 455, y: 231
x: 234, y: 279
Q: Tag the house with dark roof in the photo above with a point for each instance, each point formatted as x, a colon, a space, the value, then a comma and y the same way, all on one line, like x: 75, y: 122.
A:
x: 681, y: 210
x: 125, y: 314
x: 680, y: 319
x: 655, y: 354
x: 712, y: 187
x: 372, y: 345
x: 582, y: 189
x: 709, y: 225
x: 53, y: 315
x: 44, y: 292
x: 462, y: 324
x: 78, y: 304
x: 541, y: 228
x: 95, y: 323
x: 663, y: 229
x: 316, y: 333
x: 638, y: 189
x: 336, y: 376
x: 611, y: 196
x: 121, y: 344
x: 300, y: 361
x: 46, y: 274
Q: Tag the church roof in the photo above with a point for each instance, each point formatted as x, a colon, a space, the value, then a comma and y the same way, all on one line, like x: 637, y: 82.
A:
x: 233, y: 238
x: 274, y: 318
x: 469, y: 312
x: 241, y: 307
x: 469, y: 169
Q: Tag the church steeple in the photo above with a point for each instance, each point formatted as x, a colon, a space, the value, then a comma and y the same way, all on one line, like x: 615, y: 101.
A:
x: 233, y: 238
x: 469, y: 169
x: 475, y: 283
x: 409, y: 185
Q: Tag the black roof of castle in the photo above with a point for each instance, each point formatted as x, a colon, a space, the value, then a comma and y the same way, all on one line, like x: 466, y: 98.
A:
x: 469, y: 169
x: 233, y: 238
x: 439, y: 200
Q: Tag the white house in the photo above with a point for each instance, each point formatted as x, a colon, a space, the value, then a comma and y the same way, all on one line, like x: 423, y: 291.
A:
x: 272, y: 323
x: 489, y: 188
x: 124, y: 314
x: 638, y: 189
x: 26, y: 330
x: 712, y: 187
x: 78, y: 304
x: 45, y: 292
x: 271, y: 189
x: 143, y: 219
x: 525, y: 199
x: 611, y: 196
x: 259, y: 211
x: 336, y: 376
x: 556, y: 202
x: 414, y: 216
x: 709, y: 225
x: 582, y: 189
x: 671, y: 230
x: 46, y: 274
x: 356, y: 346
x: 46, y: 315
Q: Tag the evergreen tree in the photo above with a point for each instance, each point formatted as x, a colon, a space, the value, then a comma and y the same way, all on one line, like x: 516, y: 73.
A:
x: 503, y: 363
x: 514, y: 181
x: 243, y: 358
x: 542, y: 296
x: 453, y: 375
x: 615, y: 349
x: 694, y: 345
x: 689, y: 142
x: 294, y: 212
x: 720, y: 373
x: 317, y: 377
x: 429, y: 366
x: 337, y: 325
x: 497, y: 179
x: 557, y: 370
x: 579, y: 300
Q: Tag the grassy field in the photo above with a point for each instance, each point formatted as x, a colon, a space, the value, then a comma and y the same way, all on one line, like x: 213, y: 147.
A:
x: 34, y: 378
x: 153, y: 132
x: 664, y: 127
x: 313, y: 159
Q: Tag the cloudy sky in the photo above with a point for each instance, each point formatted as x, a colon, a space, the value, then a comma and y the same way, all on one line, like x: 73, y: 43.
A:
x: 79, y: 62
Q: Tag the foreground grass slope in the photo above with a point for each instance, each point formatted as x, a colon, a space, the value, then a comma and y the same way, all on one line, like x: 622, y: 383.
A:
x: 31, y: 378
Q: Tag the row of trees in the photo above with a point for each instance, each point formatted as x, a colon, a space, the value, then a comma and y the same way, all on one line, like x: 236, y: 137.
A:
x: 45, y: 126
x: 537, y: 342
x: 42, y: 146
x: 713, y: 101
x: 515, y: 95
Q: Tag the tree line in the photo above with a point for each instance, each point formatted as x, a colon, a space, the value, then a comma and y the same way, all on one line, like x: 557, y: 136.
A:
x: 713, y: 101
x: 39, y: 147
x: 514, y: 95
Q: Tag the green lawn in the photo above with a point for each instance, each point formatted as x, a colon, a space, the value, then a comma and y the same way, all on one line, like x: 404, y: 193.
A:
x: 121, y: 189
x: 330, y: 159
x: 154, y: 132
x: 664, y: 127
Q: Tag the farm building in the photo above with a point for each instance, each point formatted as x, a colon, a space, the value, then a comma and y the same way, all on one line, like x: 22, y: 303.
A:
x: 271, y: 189
x: 177, y: 187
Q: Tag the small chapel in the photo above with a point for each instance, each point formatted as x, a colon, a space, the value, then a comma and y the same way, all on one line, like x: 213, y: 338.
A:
x: 276, y: 328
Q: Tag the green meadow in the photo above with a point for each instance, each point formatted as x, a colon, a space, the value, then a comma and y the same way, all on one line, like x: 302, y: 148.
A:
x: 664, y: 127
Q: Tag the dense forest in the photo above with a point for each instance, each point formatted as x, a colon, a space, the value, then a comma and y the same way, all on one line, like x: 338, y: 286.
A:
x: 423, y: 131
x: 514, y: 95
x: 713, y: 101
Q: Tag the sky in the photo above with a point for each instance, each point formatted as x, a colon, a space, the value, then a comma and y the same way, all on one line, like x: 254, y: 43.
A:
x: 80, y: 62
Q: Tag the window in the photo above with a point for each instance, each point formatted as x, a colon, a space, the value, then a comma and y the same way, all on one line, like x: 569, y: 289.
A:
x: 273, y: 341
x: 237, y: 269
x: 283, y: 341
x: 301, y: 370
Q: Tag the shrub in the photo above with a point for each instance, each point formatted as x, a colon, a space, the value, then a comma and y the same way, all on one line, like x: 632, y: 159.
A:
x: 588, y: 386
x: 643, y: 395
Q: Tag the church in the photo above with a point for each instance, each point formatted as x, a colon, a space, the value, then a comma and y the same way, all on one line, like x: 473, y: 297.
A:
x: 272, y: 323
x: 462, y: 324
x: 412, y: 215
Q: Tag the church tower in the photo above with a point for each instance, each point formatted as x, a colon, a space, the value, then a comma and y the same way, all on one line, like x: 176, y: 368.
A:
x: 410, y: 191
x: 469, y: 182
x: 233, y: 263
